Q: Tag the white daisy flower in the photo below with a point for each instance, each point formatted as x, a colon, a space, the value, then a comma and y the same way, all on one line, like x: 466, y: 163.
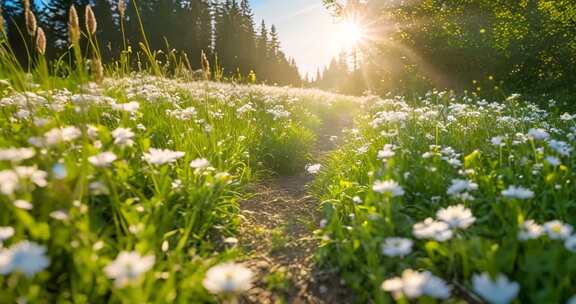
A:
x: 388, y: 187
x: 9, y: 182
x: 570, y: 243
x: 16, y: 154
x: 313, y: 169
x: 200, y: 163
x: 228, y: 279
x: 396, y: 246
x: 60, y: 135
x: 456, y: 216
x: 104, y: 159
x: 128, y: 267
x: 23, y: 204
x: 38, y: 177
x: 414, y: 284
x: 25, y: 257
x: 517, y: 192
x: 431, y: 229
x: 497, y: 141
x: 162, y: 156
x: 123, y: 137
x: 553, y: 161
x: 496, y: 291
x: 557, y: 230
x: 6, y: 233
x: 538, y: 134
x: 529, y: 230
x: 130, y: 107
x: 461, y: 185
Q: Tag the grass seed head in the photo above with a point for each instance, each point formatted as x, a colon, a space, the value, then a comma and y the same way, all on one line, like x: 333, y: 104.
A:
x: 1, y: 20
x: 73, y: 26
x: 205, y: 65
x: 31, y: 24
x: 91, y: 24
x: 97, y: 69
x: 122, y: 8
x: 40, y: 41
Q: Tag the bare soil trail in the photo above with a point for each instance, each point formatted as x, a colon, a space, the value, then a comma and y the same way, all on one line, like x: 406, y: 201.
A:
x: 277, y: 232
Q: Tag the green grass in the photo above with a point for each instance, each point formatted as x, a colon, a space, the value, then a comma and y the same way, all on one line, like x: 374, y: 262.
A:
x: 176, y: 213
x: 437, y: 139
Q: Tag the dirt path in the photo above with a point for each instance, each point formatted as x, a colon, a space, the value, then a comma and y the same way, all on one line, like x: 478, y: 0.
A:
x: 277, y: 226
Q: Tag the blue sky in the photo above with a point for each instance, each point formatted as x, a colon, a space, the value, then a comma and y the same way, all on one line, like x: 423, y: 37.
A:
x: 307, y: 31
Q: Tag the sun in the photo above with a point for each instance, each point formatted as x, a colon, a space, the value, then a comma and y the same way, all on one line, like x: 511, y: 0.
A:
x: 351, y: 33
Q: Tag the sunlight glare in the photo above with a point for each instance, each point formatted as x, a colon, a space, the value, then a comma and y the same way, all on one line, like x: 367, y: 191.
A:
x: 351, y: 33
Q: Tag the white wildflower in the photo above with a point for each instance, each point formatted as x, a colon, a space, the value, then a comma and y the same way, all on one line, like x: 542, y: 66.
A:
x: 538, y: 134
x: 388, y: 187
x: 199, y: 164
x: 60, y: 135
x: 38, y: 177
x: 23, y: 204
x: 104, y: 159
x: 228, y: 279
x: 570, y: 243
x: 529, y: 230
x: 313, y: 169
x: 553, y: 161
x: 431, y: 229
x: 162, y: 156
x: 456, y: 216
x: 9, y: 182
x: 396, y: 246
x: 459, y: 185
x: 25, y: 257
x: 496, y: 291
x: 497, y: 141
x: 16, y: 154
x: 123, y: 137
x: 130, y: 107
x: 518, y: 193
x: 128, y: 267
x: 6, y: 233
x: 557, y: 230
x: 413, y: 284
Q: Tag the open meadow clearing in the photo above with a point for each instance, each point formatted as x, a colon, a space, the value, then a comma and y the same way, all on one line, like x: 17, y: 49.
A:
x: 175, y: 152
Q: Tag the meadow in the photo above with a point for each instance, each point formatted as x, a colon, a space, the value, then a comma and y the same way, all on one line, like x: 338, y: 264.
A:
x: 127, y: 191
x: 454, y: 199
x: 127, y: 181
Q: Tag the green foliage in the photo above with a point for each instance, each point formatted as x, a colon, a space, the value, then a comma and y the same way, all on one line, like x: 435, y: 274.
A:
x: 85, y: 213
x: 426, y: 144
x: 492, y: 48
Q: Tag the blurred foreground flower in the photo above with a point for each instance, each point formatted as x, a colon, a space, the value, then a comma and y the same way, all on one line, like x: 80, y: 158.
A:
x: 26, y: 257
x: 162, y: 156
x: 499, y: 290
x: 389, y: 186
x: 228, y: 280
x: 414, y: 284
x: 313, y: 169
x: 128, y: 267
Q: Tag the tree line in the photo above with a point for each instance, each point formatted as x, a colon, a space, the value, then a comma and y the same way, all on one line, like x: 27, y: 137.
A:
x: 224, y: 31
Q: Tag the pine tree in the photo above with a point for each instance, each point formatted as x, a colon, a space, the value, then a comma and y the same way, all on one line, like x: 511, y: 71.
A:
x: 109, y: 34
x: 247, y: 35
x: 262, y: 52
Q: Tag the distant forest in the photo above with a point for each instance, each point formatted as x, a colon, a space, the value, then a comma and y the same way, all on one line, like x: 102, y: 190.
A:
x: 224, y: 30
x: 490, y: 47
